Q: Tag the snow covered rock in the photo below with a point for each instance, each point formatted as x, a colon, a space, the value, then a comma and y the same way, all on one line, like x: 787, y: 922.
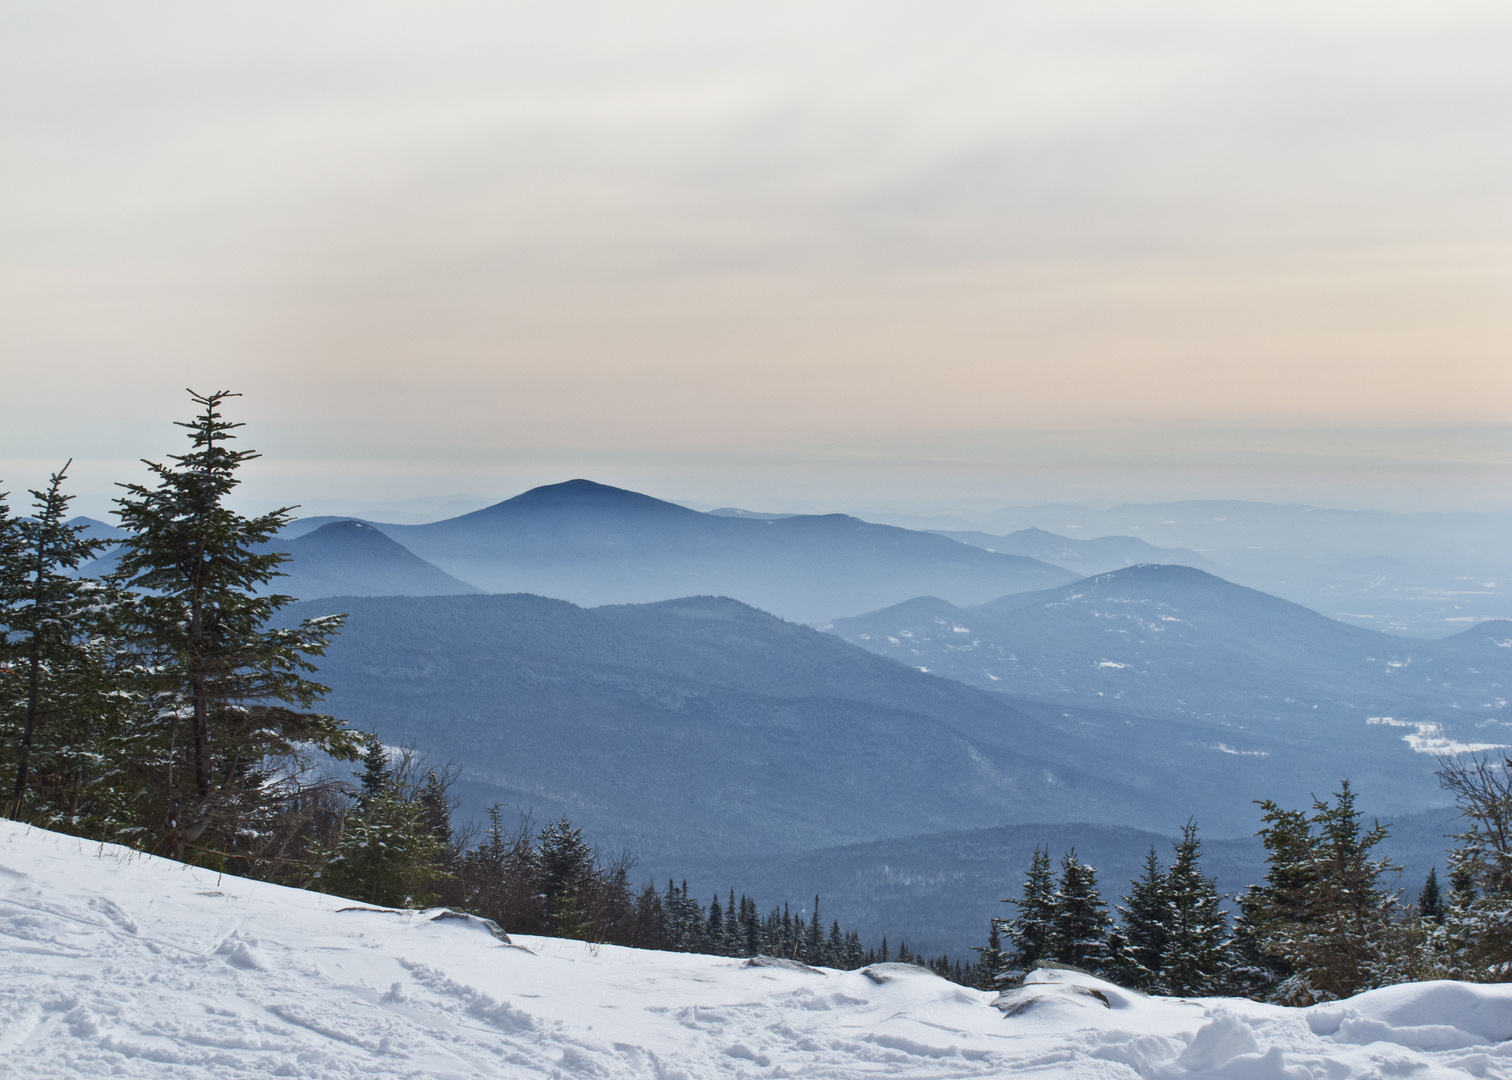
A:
x: 114, y: 963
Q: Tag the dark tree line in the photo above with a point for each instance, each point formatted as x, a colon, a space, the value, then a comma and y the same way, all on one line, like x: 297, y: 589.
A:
x: 1325, y: 923
x: 397, y: 847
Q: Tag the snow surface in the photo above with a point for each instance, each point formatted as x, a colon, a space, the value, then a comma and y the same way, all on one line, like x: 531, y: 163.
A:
x: 116, y: 963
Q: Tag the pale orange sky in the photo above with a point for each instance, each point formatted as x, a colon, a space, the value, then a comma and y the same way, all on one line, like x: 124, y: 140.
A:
x: 835, y: 252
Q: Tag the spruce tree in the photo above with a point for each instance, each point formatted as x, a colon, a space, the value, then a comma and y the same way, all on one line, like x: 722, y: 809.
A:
x: 1322, y: 926
x: 1080, y: 921
x: 834, y: 946
x: 1196, y: 958
x: 990, y: 960
x: 384, y: 855
x: 1353, y: 913
x: 436, y: 810
x: 377, y: 774
x: 813, y: 940
x: 1146, y: 915
x: 231, y: 688
x: 50, y: 621
x: 714, y: 929
x: 567, y: 870
x: 1032, y: 930
x: 1430, y: 902
x: 1271, y: 911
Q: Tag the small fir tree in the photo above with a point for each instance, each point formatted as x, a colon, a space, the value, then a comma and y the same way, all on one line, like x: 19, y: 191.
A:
x: 377, y: 774
x: 567, y: 872
x: 1081, y: 922
x: 1145, y: 916
x: 1430, y: 902
x: 1196, y: 958
x: 1032, y: 930
x: 991, y: 962
x: 384, y: 855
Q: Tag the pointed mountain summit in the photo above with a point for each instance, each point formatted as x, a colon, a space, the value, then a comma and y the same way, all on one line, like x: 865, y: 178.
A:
x: 351, y: 558
x: 595, y: 544
x: 581, y: 497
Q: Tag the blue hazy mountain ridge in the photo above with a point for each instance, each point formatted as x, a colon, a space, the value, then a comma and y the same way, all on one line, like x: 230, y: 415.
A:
x: 699, y: 726
x: 594, y: 544
x: 1172, y: 641
x: 1425, y: 574
x: 335, y: 558
x: 350, y: 558
x: 1085, y: 557
x: 703, y: 729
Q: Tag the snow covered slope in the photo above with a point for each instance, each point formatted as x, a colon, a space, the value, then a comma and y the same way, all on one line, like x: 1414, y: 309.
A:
x: 115, y: 963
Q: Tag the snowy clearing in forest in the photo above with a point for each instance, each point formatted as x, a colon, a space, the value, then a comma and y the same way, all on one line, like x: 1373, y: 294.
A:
x: 121, y: 964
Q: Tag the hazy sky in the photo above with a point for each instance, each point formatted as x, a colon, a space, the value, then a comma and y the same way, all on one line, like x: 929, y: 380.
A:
x: 830, y: 254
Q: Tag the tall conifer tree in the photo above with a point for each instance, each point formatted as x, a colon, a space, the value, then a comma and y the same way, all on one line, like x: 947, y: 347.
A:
x: 1033, y: 929
x: 50, y: 624
x: 232, y: 689
x: 1081, y: 922
x: 1196, y: 959
x: 1146, y: 918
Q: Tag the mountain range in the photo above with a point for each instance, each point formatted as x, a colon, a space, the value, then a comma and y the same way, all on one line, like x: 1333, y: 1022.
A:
x: 697, y: 727
x: 1084, y: 557
x: 1175, y: 641
x: 335, y: 558
x: 703, y: 729
x: 592, y: 544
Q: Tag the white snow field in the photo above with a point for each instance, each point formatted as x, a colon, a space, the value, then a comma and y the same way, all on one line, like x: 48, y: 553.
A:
x: 113, y: 963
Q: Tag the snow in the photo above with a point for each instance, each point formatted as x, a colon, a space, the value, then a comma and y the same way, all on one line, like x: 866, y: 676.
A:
x: 116, y: 963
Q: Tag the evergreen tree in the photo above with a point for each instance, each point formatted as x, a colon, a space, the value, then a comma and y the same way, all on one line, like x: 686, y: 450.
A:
x: 232, y: 690
x: 834, y: 947
x: 384, y: 855
x: 1352, y: 913
x: 1430, y: 903
x: 991, y: 962
x: 567, y: 869
x: 1032, y: 930
x: 1139, y: 961
x: 813, y: 941
x: 1322, y: 927
x: 751, y: 927
x: 377, y: 774
x: 1270, y: 912
x: 436, y: 808
x: 1196, y: 956
x: 714, y: 929
x: 1080, y: 921
x: 49, y: 621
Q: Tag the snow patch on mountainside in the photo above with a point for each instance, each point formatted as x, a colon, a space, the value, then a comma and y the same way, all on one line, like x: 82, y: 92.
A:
x: 116, y: 963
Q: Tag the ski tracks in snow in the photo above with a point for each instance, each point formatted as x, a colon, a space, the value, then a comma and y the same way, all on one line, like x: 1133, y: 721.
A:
x: 118, y: 964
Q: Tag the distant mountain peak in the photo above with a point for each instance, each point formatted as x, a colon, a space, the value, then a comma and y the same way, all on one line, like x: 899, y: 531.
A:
x: 1036, y: 533
x: 585, y: 495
